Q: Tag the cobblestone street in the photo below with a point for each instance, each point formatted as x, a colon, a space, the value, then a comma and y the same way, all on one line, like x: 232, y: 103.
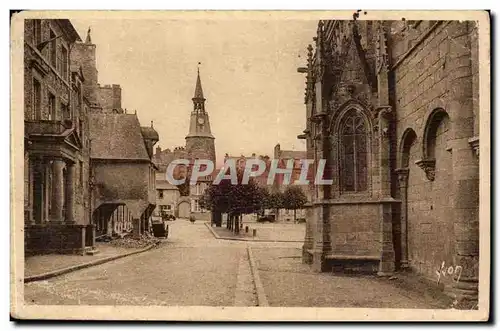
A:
x: 192, y: 268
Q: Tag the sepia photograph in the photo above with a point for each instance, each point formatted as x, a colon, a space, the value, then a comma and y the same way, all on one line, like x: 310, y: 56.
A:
x: 250, y: 166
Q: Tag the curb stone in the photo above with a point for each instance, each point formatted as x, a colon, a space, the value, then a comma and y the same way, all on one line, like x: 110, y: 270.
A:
x: 63, y: 271
x: 249, y: 239
x: 261, y: 294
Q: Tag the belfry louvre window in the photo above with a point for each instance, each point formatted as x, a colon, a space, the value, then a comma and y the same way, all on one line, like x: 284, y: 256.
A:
x: 353, y: 153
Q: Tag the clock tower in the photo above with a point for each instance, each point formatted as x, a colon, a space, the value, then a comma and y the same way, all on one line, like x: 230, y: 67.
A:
x: 200, y: 143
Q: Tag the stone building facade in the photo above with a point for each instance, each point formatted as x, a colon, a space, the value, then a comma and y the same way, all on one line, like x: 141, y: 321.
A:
x: 393, y: 108
x: 241, y: 163
x: 119, y: 145
x: 123, y: 174
x: 167, y: 197
x: 284, y: 157
x: 56, y: 197
x: 110, y: 98
x: 74, y: 182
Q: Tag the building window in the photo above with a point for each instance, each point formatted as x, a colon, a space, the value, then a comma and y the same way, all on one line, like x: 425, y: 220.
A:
x: 37, y: 32
x: 64, y: 62
x: 37, y: 99
x: 353, y: 151
x: 80, y: 131
x: 52, y: 107
x: 160, y: 194
x: 195, y: 206
x: 65, y: 111
x: 53, y: 49
x: 81, y: 173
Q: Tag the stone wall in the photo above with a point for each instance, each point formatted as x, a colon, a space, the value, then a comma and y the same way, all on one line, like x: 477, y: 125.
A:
x: 122, y: 182
x: 69, y: 103
x: 355, y: 230
x: 422, y: 78
x: 58, y: 238
x: 425, y: 75
x: 170, y: 197
x: 53, y: 82
x: 110, y: 97
x: 84, y: 55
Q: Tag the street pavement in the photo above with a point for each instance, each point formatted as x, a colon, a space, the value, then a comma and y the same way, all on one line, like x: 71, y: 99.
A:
x: 192, y: 268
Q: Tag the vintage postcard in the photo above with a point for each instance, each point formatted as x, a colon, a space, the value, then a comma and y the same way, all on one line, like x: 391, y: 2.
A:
x: 250, y: 166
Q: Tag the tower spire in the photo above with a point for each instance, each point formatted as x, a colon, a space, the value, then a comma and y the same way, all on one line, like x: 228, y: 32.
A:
x: 198, y: 91
x: 198, y: 99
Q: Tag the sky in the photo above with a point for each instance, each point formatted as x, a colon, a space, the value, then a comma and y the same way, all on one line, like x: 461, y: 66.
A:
x: 255, y: 96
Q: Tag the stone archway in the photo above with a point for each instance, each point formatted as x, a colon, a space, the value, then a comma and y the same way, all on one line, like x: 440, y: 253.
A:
x: 428, y: 203
x: 184, y: 209
x: 406, y: 148
x: 101, y: 218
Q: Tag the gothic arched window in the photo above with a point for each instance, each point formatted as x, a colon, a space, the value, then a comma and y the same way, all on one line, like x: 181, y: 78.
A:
x: 353, y: 153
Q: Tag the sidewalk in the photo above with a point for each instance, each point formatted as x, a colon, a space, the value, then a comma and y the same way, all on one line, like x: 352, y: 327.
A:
x: 53, y: 263
x: 265, y: 232
x: 287, y: 282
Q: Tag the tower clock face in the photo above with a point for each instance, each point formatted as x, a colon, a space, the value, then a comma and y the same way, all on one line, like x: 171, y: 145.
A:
x: 201, y: 120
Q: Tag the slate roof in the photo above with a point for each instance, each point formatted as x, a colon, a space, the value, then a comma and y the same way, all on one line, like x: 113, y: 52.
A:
x: 149, y: 133
x: 165, y: 185
x: 117, y: 137
x: 198, y: 91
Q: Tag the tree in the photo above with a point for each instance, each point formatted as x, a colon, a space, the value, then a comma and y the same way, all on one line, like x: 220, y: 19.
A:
x: 184, y: 188
x: 294, y: 198
x: 235, y: 200
x: 181, y: 171
x: 275, y: 202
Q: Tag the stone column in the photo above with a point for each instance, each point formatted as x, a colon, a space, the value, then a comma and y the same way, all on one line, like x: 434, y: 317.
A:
x: 387, y: 256
x: 136, y: 231
x: 403, y: 189
x: 465, y: 186
x: 46, y: 170
x: 322, y: 208
x: 309, y: 237
x: 92, y: 227
x: 31, y: 187
x: 70, y: 194
x: 83, y: 242
x: 57, y: 190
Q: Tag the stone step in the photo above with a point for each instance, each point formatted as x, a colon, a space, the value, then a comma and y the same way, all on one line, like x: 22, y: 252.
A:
x: 91, y: 251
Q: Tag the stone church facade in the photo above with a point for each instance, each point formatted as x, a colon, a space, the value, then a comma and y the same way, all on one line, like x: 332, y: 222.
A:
x: 393, y: 106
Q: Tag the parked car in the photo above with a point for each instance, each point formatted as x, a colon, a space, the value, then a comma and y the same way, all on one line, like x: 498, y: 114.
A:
x: 266, y: 218
x: 169, y: 217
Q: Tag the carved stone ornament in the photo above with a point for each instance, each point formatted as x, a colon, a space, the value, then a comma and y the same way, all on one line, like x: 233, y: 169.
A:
x: 382, y: 58
x: 474, y: 143
x: 41, y: 67
x: 429, y: 167
x: 318, y: 117
x: 402, y: 176
x: 332, y: 105
x: 385, y: 111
